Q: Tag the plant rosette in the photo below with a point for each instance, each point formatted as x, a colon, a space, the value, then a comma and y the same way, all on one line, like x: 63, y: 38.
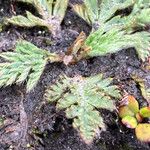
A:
x: 132, y: 116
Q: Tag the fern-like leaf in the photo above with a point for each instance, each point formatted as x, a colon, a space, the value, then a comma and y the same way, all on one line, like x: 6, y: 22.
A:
x: 116, y: 32
x: 145, y: 88
x: 139, y: 17
x: 100, y: 11
x: 141, y: 42
x: 27, y: 62
x: 29, y: 21
x: 81, y: 97
x: 51, y: 12
x: 102, y: 42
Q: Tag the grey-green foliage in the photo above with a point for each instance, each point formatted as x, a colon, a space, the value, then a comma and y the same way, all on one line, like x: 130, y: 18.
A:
x: 144, y: 86
x: 1, y: 24
x: 116, y: 32
x: 27, y: 62
x: 102, y: 43
x: 51, y: 15
x: 99, y: 11
x: 139, y: 17
x: 81, y: 98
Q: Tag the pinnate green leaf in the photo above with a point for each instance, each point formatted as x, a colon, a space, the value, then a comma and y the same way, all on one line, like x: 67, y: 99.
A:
x: 111, y: 32
x: 103, y: 43
x: 29, y: 21
x: 51, y: 15
x: 145, y: 89
x: 80, y: 98
x: 27, y: 62
x: 99, y: 11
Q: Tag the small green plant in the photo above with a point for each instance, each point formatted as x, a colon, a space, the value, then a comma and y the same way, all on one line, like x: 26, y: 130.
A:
x: 132, y: 116
x: 1, y: 24
x: 111, y: 32
x: 98, y: 12
x: 51, y: 14
x: 115, y: 40
x: 145, y: 89
x: 81, y: 98
x: 102, y: 12
x: 0, y: 27
x: 1, y: 121
x: 27, y: 62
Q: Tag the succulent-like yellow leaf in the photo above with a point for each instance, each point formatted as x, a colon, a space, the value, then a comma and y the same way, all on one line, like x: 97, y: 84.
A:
x: 145, y: 112
x: 133, y: 104
x: 143, y: 132
x: 130, y: 122
x: 139, y: 117
x: 125, y: 111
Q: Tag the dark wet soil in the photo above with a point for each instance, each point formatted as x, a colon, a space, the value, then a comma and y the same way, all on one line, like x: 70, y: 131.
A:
x: 43, y: 128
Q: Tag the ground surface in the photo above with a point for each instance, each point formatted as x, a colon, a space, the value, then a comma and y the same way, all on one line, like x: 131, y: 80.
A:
x: 29, y: 119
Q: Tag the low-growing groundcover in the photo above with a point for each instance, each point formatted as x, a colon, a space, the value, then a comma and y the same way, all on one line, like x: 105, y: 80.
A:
x: 45, y: 128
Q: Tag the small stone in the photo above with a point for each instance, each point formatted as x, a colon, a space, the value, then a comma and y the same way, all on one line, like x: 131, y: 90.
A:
x: 1, y: 10
x: 11, y: 147
x: 39, y: 32
x: 28, y: 145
